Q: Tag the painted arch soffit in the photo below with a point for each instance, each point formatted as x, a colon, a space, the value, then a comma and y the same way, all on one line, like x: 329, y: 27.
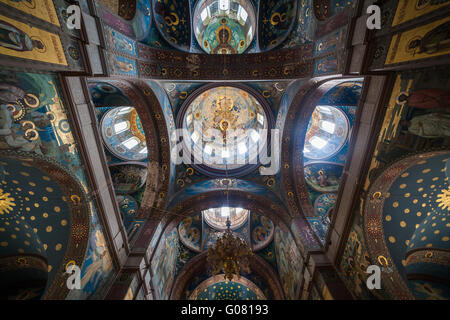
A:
x: 151, y: 114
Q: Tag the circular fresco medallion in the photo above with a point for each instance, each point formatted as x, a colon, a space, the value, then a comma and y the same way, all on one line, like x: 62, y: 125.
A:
x: 227, y: 128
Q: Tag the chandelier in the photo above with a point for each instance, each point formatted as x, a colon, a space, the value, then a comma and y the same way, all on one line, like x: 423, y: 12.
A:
x: 229, y: 255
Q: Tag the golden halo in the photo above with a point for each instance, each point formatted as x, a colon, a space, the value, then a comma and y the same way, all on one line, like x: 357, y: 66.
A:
x: 70, y: 263
x: 18, y: 111
x: 401, y: 102
x: 31, y: 134
x: 224, y: 125
x: 52, y: 116
x: 31, y: 105
x: 376, y: 195
x: 412, y: 50
x: 28, y: 125
x: 44, y: 49
x: 382, y: 260
x: 75, y: 199
x: 224, y: 27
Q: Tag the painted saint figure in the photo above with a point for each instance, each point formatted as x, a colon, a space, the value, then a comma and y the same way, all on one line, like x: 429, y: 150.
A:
x: 434, y: 41
x: 432, y: 125
x: 426, y: 98
x: 15, y: 39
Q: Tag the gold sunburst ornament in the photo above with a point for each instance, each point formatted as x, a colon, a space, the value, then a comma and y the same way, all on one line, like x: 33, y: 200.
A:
x: 6, y: 202
x: 444, y: 199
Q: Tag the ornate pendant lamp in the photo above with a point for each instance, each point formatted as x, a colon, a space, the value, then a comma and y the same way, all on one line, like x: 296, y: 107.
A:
x: 230, y: 254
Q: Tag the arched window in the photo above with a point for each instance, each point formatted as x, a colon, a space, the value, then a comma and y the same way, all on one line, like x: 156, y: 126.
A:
x: 327, y: 133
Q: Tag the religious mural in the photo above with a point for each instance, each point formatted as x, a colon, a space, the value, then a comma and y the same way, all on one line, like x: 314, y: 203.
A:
x: 190, y: 232
x: 288, y: 261
x: 123, y: 134
x: 325, y: 151
x: 344, y: 94
x: 323, y: 177
x: 19, y: 40
x: 42, y: 9
x: 164, y: 264
x: 173, y: 19
x: 41, y: 205
x: 305, y: 25
x: 120, y: 42
x: 276, y: 20
x: 128, y: 208
x: 407, y: 230
x: 324, y: 203
x: 410, y: 127
x: 262, y: 230
x: 329, y: 43
x: 142, y: 20
x: 411, y: 9
x: 327, y: 65
x: 128, y: 178
x: 235, y: 114
x: 430, y: 40
x: 327, y: 132
x: 34, y: 121
x: 120, y: 65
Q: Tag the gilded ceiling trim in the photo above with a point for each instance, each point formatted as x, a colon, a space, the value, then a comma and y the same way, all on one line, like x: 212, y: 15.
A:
x: 171, y: 65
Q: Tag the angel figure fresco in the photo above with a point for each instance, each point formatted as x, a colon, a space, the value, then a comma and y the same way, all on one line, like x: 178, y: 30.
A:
x: 13, y: 38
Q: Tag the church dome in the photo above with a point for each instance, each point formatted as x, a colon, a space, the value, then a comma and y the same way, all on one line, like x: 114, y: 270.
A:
x: 227, y: 128
x: 224, y: 26
x: 123, y: 134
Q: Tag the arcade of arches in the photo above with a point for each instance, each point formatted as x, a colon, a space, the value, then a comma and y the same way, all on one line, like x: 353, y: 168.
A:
x: 128, y: 146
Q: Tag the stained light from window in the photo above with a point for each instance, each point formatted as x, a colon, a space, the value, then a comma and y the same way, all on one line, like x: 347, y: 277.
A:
x: 131, y: 143
x: 327, y: 126
x: 318, y: 143
x: 120, y: 127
